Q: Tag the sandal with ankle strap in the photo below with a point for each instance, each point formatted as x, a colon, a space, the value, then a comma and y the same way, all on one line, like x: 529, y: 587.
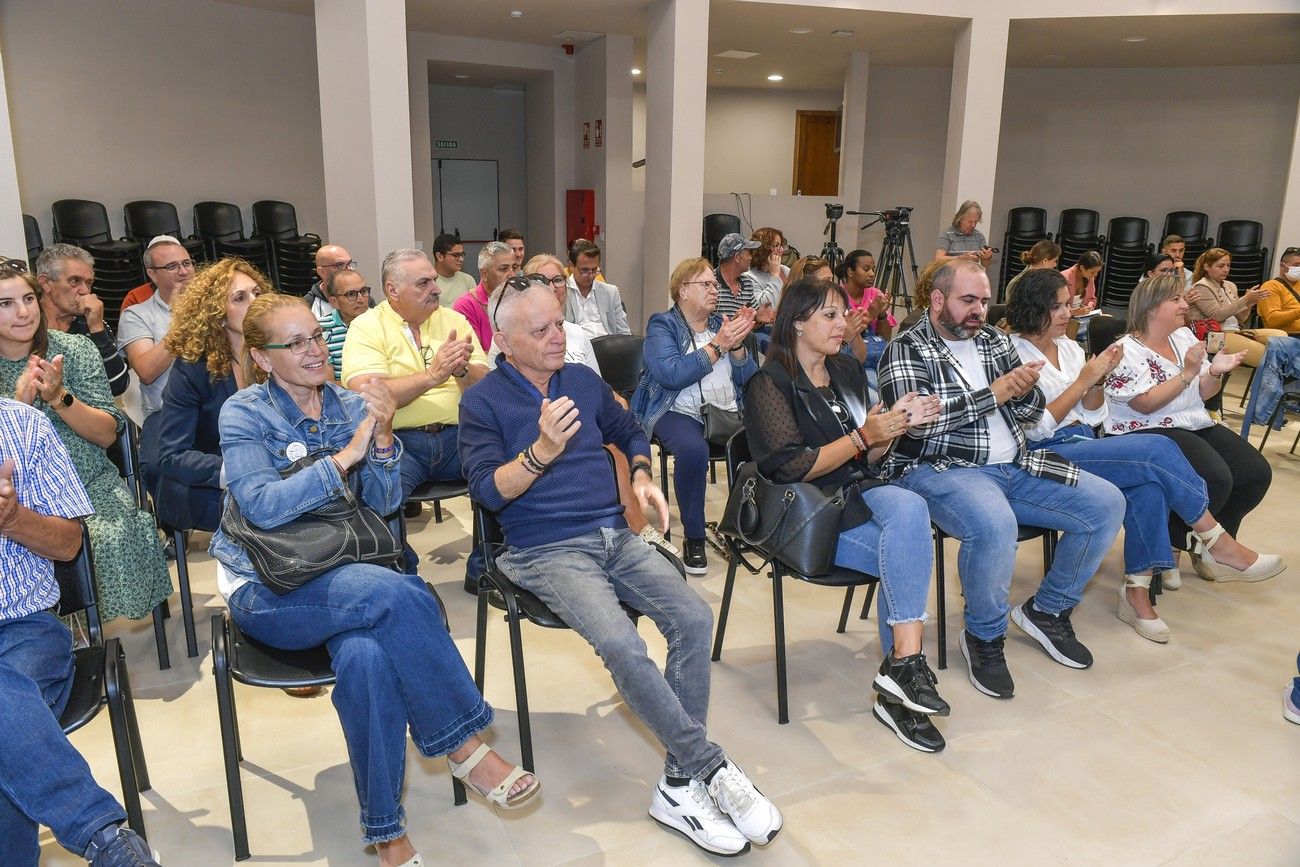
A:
x: 500, y: 795
x: 1264, y: 567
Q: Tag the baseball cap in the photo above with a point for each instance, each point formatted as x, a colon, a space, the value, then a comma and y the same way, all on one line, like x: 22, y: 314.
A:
x: 733, y: 243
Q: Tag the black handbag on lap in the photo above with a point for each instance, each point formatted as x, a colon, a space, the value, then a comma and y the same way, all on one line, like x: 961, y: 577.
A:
x: 340, y: 532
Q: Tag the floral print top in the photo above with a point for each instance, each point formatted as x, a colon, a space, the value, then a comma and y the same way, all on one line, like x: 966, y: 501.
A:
x: 1141, y: 370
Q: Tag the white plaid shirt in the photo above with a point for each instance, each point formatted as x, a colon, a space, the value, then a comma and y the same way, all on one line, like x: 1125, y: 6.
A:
x: 46, y: 483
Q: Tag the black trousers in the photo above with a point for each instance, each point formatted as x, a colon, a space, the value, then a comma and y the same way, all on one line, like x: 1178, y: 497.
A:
x: 1236, y: 476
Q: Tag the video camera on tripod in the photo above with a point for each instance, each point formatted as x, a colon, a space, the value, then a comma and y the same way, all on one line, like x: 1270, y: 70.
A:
x: 890, y: 276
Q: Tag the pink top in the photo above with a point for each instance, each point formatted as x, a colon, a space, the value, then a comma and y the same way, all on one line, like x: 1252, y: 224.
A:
x: 871, y: 293
x: 473, y: 306
x: 1071, y: 276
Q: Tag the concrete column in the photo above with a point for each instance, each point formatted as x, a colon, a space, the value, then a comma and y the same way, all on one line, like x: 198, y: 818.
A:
x: 12, y: 239
x: 365, y: 127
x: 676, y: 71
x: 975, y: 116
x: 853, y: 130
x: 1288, y: 226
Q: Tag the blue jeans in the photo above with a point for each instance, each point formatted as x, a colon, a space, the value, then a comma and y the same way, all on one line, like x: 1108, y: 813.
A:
x: 981, y: 506
x: 684, y: 438
x: 583, y: 580
x: 43, y: 779
x: 886, y: 546
x: 1154, y: 478
x: 432, y: 457
x: 1281, y: 361
x: 395, y: 665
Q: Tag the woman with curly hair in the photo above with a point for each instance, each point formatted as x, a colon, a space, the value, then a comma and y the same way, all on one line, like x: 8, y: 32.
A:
x: 206, y: 336
x: 61, y: 375
x: 765, y: 268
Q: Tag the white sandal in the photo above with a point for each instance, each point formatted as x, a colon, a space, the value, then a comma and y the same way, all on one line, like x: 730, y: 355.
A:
x: 500, y: 796
x: 1152, y: 630
x: 1265, y: 565
x: 416, y: 861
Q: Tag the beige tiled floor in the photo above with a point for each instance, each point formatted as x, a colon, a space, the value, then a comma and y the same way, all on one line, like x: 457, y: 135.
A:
x: 1158, y: 754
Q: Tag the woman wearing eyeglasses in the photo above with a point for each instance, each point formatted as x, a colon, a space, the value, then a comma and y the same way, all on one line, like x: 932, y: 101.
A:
x: 396, y: 666
x: 693, y: 358
x: 62, y: 376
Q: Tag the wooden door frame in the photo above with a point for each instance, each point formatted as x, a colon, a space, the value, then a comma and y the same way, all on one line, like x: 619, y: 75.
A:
x: 798, y: 140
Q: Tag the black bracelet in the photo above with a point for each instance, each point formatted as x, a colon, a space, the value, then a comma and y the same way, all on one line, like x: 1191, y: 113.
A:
x: 643, y: 465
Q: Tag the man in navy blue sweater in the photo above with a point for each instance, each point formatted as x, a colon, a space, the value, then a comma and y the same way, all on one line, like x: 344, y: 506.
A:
x: 532, y: 437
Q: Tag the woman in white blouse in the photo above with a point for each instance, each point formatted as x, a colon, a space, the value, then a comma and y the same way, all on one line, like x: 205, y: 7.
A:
x: 1151, y: 471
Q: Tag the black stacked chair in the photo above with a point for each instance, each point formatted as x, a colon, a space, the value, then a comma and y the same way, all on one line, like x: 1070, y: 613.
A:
x: 146, y: 219
x: 1104, y: 331
x: 220, y: 226
x: 621, y: 357
x: 1193, y: 227
x: 32, y: 234
x: 716, y: 226
x: 1125, y: 260
x: 118, y: 266
x: 1025, y: 228
x: 1077, y: 233
x: 293, y: 256
x: 100, y: 678
x: 1244, y: 240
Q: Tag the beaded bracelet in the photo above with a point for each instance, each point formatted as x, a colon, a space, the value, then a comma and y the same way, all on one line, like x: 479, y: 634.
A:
x: 529, y: 466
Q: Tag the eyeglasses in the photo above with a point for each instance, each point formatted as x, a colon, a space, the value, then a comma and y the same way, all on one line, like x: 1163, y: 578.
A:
x: 349, y: 265
x: 174, y: 267
x: 460, y: 255
x: 354, y: 294
x: 520, y: 282
x: 1167, y: 269
x: 587, y: 272
x: 299, y: 346
x: 707, y: 284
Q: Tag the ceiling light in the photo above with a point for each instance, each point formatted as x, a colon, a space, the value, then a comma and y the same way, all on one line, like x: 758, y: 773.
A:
x: 775, y: 76
x: 636, y: 71
x: 516, y: 13
x: 801, y: 30
x: 842, y: 33
x: 462, y: 75
x: 1134, y: 39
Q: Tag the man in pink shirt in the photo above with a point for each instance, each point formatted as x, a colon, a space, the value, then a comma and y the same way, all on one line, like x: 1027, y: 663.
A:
x: 496, y: 264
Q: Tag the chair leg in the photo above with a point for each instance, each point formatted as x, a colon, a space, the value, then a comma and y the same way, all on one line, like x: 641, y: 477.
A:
x: 725, y: 610
x: 663, y: 481
x: 778, y: 620
x: 122, y: 746
x: 160, y: 636
x: 437, y: 511
x: 1296, y: 442
x: 866, y: 603
x: 480, y: 636
x: 1272, y: 420
x: 187, y: 603
x: 941, y: 598
x: 229, y: 746
x: 521, y: 694
x: 713, y: 472
x: 133, y: 729
x: 844, y: 609
x: 1246, y: 391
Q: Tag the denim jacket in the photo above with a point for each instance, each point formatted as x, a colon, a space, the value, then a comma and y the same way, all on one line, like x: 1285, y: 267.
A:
x: 671, y: 365
x: 263, y: 431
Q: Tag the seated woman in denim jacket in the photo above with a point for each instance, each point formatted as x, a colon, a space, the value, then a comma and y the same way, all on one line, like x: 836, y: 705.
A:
x: 1150, y: 470
x: 807, y: 420
x: 395, y: 663
x: 692, y: 357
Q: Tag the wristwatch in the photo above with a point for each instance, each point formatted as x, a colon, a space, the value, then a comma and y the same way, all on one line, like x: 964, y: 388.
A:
x: 718, y: 349
x: 462, y: 373
x: 66, y: 400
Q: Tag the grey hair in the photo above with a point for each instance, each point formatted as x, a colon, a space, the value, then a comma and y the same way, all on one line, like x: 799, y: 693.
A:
x: 946, y: 275
x: 146, y: 258
x: 334, y: 278
x: 966, y: 207
x: 490, y: 251
x: 503, y: 301
x: 50, y: 263
x: 392, y: 268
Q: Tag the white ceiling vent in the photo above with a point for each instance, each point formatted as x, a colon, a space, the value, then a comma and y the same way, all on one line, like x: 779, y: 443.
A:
x: 733, y: 54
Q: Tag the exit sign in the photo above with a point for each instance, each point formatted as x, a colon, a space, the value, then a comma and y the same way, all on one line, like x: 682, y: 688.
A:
x: 448, y: 143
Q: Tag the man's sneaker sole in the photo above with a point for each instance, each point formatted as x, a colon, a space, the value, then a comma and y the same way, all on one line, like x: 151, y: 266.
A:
x: 672, y: 823
x: 970, y: 671
x: 696, y: 570
x: 888, y: 722
x: 886, y: 686
x: 1020, y: 619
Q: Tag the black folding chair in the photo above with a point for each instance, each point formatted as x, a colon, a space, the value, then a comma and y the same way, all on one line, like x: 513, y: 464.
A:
x: 621, y: 357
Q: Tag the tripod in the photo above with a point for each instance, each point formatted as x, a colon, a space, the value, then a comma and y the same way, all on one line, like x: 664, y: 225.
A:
x: 890, y: 276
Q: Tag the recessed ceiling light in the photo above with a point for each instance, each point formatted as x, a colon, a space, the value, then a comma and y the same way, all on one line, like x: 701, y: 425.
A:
x: 516, y: 13
x: 775, y: 76
x: 462, y: 75
x: 841, y: 33
x: 636, y: 71
x: 1134, y: 39
x: 801, y: 30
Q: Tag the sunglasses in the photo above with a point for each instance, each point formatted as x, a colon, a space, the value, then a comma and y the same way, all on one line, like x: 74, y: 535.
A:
x: 521, y: 282
x: 14, y: 265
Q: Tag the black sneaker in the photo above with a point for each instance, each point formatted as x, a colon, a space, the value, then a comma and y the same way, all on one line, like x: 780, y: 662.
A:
x: 119, y: 846
x: 912, y: 728
x: 694, y: 560
x: 911, y: 681
x: 1054, y: 633
x: 987, y: 665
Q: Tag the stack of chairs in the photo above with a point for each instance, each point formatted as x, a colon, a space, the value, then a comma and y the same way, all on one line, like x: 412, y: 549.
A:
x: 1025, y: 228
x: 292, y: 256
x: 1193, y: 227
x: 1077, y: 233
x: 1125, y: 259
x: 1244, y: 240
x: 146, y: 219
x: 35, y: 244
x: 220, y: 226
x: 118, y: 267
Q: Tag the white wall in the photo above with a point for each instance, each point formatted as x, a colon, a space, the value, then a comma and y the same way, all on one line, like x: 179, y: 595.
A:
x: 179, y: 100
x: 749, y: 138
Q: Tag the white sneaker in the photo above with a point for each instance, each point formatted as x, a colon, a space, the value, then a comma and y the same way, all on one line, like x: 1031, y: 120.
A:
x: 755, y: 816
x: 652, y: 535
x: 690, y: 811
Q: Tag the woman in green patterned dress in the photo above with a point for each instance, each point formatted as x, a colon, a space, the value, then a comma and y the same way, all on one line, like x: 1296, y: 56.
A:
x: 62, y: 375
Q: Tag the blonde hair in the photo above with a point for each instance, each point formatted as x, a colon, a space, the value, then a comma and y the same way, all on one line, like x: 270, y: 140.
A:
x: 257, y: 329
x: 1206, y: 259
x: 686, y: 269
x: 531, y: 266
x: 198, y: 328
x: 1147, y: 296
x: 966, y: 207
x: 925, y: 285
x: 1041, y: 252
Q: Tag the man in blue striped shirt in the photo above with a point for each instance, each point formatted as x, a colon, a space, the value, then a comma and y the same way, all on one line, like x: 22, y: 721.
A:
x: 43, y: 779
x: 349, y: 297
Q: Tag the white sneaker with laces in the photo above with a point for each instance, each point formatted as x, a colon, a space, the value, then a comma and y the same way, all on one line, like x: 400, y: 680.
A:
x: 755, y: 816
x: 690, y: 811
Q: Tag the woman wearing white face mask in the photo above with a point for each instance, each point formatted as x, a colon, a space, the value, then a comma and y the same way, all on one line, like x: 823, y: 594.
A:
x: 1281, y: 308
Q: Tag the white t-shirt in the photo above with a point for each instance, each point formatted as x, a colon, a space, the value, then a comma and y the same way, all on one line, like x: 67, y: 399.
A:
x: 577, y: 349
x: 1003, y: 448
x: 587, y: 311
x: 1142, y: 370
x: 716, y: 388
x: 1054, y: 381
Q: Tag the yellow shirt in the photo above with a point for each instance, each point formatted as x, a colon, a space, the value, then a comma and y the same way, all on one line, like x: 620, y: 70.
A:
x: 379, y: 342
x: 1280, y: 309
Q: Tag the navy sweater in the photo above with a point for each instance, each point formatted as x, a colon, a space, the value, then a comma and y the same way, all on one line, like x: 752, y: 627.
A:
x: 577, y: 494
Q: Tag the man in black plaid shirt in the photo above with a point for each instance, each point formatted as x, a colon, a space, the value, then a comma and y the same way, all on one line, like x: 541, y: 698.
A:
x: 980, y: 481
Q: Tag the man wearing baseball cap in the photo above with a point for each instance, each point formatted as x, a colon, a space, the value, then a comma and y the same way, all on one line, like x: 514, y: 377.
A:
x: 735, y: 286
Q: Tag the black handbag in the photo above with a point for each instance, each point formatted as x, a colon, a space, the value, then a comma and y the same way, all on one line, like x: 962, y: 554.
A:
x: 340, y: 532
x: 796, y: 523
x: 719, y: 424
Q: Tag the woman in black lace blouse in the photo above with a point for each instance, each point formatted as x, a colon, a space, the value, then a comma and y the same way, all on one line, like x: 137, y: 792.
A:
x: 808, y: 419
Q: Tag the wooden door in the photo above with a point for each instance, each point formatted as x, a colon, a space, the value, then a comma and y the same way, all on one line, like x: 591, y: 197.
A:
x: 816, y: 153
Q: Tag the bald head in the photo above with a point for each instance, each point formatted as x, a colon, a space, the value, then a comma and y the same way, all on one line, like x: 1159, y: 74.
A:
x: 330, y: 259
x: 529, y: 329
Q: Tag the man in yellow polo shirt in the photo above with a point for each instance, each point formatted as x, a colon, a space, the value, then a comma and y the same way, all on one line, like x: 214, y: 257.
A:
x: 428, y: 355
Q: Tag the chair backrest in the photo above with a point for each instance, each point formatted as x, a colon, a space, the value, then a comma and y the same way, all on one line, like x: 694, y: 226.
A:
x: 146, y: 219
x: 1191, y: 226
x: 621, y: 357
x: 1127, y: 232
x: 218, y: 220
x: 1079, y: 222
x: 32, y: 233
x: 997, y: 312
x: 1027, y: 223
x: 273, y: 219
x: 125, y: 455
x: 1103, y: 331
x: 717, y: 226
x: 738, y: 453
x: 80, y: 221
x: 76, y: 579
x: 1238, y: 236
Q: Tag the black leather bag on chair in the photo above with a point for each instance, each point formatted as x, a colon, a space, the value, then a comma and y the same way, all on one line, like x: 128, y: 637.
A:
x: 796, y: 523
x: 720, y: 425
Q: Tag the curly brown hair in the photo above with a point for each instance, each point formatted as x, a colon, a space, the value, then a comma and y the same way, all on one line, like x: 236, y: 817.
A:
x: 198, y: 329
x: 768, y: 239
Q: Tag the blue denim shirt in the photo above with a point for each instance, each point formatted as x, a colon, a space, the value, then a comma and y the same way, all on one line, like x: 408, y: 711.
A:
x: 258, y: 425
x: 671, y: 366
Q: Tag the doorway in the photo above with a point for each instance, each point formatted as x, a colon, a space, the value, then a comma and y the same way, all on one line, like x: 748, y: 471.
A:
x: 466, y: 202
x: 816, y: 153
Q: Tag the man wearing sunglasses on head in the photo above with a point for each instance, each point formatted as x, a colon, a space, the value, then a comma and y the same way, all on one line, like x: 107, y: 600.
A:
x: 348, y: 297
